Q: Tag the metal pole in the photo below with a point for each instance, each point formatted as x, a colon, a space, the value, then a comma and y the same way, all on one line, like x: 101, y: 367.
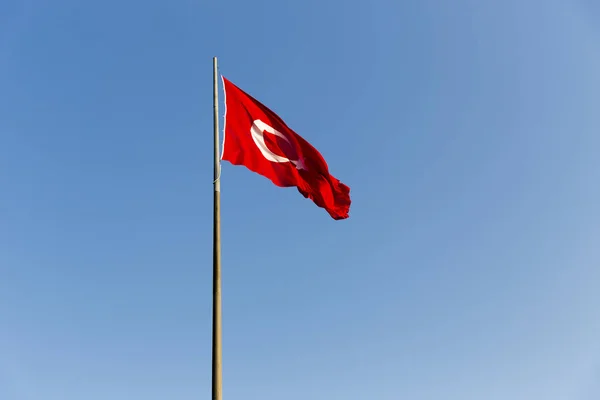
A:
x: 217, y: 384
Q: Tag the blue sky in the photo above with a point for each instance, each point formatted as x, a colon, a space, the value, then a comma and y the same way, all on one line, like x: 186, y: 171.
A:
x: 467, y: 130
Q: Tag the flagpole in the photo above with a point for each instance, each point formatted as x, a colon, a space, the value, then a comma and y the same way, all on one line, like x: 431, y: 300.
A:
x: 217, y: 384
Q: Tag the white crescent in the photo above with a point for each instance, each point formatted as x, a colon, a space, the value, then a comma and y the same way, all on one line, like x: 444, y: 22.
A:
x: 257, y: 131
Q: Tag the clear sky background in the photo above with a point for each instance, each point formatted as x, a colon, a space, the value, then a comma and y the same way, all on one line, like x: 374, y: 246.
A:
x: 468, y: 131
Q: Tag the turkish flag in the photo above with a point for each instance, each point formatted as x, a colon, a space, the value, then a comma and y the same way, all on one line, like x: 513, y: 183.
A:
x: 258, y: 139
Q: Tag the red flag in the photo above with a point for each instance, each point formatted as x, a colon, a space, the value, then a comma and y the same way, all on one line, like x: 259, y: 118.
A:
x: 258, y: 139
